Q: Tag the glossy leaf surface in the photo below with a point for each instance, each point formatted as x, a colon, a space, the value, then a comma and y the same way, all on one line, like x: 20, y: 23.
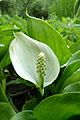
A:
x: 6, y: 111
x: 59, y: 107
x: 43, y: 32
x: 24, y: 115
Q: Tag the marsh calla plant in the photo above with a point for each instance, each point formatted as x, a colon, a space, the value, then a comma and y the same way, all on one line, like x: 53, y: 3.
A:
x: 33, y: 61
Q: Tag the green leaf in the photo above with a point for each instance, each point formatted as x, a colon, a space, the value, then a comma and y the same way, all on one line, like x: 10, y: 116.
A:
x: 43, y: 32
x: 20, y: 81
x: 6, y: 111
x: 24, y: 52
x: 20, y: 23
x: 24, y: 115
x: 68, y: 71
x: 3, y: 50
x: 74, y: 87
x: 8, y: 29
x: 74, y: 57
x: 3, y: 97
x: 63, y: 7
x: 29, y: 105
x: 75, y: 47
x: 75, y: 77
x: 78, y: 9
x: 5, y: 40
x: 59, y: 107
x: 5, y: 61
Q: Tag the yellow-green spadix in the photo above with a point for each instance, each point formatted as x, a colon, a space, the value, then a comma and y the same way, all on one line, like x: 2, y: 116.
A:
x: 24, y: 53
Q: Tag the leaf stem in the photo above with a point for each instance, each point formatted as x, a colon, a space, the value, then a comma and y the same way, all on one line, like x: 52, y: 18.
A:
x: 4, y: 85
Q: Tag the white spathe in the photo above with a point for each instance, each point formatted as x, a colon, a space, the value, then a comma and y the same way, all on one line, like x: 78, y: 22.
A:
x: 24, y: 52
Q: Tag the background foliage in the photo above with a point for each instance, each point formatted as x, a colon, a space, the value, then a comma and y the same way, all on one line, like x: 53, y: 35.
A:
x: 60, y: 19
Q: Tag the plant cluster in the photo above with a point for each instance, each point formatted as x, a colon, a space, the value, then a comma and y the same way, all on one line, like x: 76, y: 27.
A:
x: 40, y: 65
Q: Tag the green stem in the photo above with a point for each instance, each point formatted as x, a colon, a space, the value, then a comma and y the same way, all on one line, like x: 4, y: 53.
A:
x: 40, y: 85
x: 13, y: 106
x: 41, y: 91
x: 3, y: 88
x: 4, y: 85
x: 41, y: 81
